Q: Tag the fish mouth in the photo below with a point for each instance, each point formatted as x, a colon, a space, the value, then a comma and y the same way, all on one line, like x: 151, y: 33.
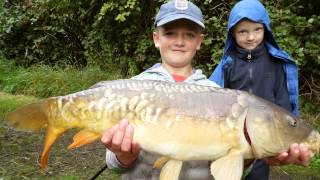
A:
x: 313, y: 142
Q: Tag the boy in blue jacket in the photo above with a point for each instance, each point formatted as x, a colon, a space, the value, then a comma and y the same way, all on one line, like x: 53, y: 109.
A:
x: 253, y: 62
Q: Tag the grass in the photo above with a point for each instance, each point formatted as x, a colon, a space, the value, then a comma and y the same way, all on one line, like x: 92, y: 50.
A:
x: 9, y: 103
x: 294, y: 172
x: 45, y: 81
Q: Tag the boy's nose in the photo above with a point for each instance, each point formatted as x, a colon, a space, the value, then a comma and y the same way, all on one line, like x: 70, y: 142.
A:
x: 250, y: 36
x: 180, y: 40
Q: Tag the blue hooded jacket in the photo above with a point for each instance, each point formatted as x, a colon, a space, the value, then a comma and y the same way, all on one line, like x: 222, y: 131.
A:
x: 255, y: 11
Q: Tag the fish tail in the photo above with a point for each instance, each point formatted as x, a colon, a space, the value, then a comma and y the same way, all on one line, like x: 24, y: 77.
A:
x: 34, y: 117
x: 31, y: 117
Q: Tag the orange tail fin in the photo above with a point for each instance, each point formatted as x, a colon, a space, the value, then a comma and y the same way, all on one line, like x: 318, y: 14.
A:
x: 34, y: 117
x: 31, y: 117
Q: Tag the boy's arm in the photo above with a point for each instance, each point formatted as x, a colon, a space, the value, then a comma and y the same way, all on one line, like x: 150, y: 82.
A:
x: 281, y: 92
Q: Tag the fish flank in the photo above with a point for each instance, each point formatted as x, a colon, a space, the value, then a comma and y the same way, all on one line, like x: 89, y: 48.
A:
x: 133, y: 102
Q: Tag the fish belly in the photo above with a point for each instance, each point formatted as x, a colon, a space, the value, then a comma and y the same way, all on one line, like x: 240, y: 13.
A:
x: 184, y: 140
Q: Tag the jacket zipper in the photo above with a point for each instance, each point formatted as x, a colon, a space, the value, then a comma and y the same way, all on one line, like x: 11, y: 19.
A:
x: 249, y: 57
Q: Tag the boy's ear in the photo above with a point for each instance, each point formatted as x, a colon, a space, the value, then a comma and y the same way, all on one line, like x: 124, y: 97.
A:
x: 200, y: 41
x: 155, y: 36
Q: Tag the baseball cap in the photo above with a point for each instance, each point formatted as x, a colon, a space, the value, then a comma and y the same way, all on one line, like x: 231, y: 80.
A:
x: 179, y: 9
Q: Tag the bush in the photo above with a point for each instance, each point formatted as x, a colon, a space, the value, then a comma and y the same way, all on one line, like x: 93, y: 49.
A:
x: 46, y: 32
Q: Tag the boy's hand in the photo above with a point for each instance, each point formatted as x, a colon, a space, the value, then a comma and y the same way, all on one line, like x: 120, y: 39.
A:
x: 297, y: 154
x: 119, y: 140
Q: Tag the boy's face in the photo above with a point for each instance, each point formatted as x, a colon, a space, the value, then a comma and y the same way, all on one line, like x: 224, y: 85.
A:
x: 178, y: 42
x: 248, y: 34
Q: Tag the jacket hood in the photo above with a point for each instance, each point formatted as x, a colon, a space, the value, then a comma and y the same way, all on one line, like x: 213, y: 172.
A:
x: 161, y: 71
x: 254, y: 11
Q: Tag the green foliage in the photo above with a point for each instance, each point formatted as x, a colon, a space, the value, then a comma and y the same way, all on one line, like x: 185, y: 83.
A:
x: 307, y: 106
x: 296, y: 34
x: 48, y: 32
x: 316, y: 162
x: 122, y: 35
x: 216, y: 15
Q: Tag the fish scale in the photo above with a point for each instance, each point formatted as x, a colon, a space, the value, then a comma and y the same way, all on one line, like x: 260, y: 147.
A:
x: 178, y: 121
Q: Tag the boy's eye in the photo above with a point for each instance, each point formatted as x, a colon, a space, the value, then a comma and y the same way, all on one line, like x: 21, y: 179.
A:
x: 259, y: 29
x: 242, y: 32
x: 168, y: 33
x: 191, y: 35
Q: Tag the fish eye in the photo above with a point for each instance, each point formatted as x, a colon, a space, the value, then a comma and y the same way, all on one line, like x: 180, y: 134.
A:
x: 292, y: 122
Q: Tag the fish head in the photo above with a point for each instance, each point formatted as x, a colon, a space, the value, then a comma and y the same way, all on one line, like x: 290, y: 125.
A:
x: 293, y: 129
x: 272, y: 129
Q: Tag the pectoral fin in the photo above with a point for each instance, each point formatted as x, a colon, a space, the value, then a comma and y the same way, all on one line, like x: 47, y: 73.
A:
x: 229, y: 167
x: 83, y: 137
x: 160, y: 162
x: 171, y: 170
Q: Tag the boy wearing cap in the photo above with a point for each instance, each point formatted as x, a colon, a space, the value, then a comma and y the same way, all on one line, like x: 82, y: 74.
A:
x: 253, y: 62
x: 178, y: 35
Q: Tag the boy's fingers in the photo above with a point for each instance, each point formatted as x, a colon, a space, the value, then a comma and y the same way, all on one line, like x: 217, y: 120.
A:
x: 106, y: 138
x: 304, y: 155
x: 282, y: 156
x: 118, y: 136
x: 127, y: 139
x: 113, y: 137
x: 294, y: 152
